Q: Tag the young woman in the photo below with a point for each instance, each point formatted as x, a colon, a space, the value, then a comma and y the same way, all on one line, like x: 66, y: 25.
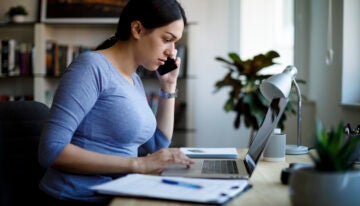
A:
x: 100, y: 116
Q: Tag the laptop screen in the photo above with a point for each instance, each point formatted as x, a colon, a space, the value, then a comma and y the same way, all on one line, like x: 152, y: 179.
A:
x: 273, y: 115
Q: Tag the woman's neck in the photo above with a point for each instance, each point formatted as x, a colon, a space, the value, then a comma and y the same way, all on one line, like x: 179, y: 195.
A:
x: 120, y: 56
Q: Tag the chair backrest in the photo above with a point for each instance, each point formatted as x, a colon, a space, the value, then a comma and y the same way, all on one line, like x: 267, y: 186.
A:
x: 21, y: 123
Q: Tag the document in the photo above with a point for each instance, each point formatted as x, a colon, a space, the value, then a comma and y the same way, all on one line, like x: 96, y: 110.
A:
x: 214, y: 191
x: 200, y: 152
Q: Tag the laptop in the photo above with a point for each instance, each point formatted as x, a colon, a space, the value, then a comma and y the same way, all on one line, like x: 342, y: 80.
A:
x: 230, y: 168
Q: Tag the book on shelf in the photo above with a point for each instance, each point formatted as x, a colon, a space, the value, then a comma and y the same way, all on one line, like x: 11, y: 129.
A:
x: 16, y: 58
x: 62, y: 59
x: 50, y: 57
x: 25, y: 62
x: 59, y: 56
x: 8, y: 55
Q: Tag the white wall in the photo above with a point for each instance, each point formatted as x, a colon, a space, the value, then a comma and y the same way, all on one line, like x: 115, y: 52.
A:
x: 207, y: 39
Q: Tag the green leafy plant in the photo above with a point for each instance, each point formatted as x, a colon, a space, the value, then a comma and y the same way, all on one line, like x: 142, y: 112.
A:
x: 17, y: 10
x: 335, y: 151
x: 245, y: 98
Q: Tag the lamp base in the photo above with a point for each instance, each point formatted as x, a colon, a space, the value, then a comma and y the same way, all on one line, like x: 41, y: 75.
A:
x: 296, y: 149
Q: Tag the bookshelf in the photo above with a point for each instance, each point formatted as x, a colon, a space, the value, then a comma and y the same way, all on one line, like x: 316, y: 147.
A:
x: 85, y: 35
x: 16, y: 85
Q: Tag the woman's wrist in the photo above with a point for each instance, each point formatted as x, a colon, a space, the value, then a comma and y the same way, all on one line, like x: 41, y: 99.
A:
x: 136, y: 165
x: 168, y: 91
x: 171, y: 88
x: 167, y: 95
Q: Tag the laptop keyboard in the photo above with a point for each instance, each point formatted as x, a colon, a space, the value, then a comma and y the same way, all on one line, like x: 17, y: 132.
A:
x: 219, y: 167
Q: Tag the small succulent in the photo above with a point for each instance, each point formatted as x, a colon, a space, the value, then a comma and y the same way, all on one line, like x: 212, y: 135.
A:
x: 17, y: 10
x: 335, y: 150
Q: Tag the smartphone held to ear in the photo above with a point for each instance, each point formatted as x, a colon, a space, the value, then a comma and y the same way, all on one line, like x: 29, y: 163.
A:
x: 167, y: 67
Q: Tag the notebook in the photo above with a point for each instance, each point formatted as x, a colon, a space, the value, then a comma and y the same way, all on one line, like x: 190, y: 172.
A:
x: 229, y: 168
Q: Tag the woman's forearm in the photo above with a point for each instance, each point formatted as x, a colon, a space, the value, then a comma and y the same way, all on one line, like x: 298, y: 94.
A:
x: 165, y: 116
x: 77, y: 160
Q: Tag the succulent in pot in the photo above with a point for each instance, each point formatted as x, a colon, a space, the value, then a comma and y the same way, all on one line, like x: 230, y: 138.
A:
x: 17, y: 13
x: 334, y: 179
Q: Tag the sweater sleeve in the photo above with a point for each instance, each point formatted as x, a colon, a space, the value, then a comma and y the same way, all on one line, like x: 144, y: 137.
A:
x: 156, y: 142
x: 76, y: 94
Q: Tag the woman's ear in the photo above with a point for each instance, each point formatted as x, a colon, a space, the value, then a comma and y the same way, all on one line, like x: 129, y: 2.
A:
x: 137, y: 29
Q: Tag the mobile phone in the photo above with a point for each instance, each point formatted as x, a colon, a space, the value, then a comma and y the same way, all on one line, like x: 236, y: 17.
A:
x: 167, y: 67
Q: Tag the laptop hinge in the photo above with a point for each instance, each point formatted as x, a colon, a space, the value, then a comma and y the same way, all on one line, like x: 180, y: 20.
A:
x: 249, y: 164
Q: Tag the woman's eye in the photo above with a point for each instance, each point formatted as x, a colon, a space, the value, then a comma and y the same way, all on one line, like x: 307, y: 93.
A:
x: 168, y: 39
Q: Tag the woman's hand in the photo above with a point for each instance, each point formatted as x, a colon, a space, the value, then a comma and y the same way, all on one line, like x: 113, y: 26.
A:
x: 156, y: 162
x: 168, y: 81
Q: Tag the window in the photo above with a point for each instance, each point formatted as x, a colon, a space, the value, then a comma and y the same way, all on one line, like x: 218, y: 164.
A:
x: 351, y: 53
x: 267, y: 25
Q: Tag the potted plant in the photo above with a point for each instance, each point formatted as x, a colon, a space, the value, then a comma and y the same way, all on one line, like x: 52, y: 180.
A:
x: 243, y: 79
x: 17, y: 13
x: 333, y: 180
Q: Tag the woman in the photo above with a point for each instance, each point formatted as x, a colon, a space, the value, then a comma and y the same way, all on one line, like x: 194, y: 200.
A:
x: 100, y: 116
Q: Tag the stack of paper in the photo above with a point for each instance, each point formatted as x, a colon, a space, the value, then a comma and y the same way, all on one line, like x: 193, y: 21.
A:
x: 214, y: 191
x: 200, y: 152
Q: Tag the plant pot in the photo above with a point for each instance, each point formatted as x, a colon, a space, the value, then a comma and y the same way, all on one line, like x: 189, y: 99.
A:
x: 311, y: 187
x: 18, y: 18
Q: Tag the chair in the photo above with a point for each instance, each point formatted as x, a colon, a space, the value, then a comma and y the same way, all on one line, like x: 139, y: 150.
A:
x: 21, y: 123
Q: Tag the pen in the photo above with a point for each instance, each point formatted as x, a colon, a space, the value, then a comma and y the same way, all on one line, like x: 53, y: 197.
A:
x: 182, y: 184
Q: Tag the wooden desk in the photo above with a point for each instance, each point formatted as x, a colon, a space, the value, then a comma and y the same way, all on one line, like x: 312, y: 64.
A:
x: 267, y: 188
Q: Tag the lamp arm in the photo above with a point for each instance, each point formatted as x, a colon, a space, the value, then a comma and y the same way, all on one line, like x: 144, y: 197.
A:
x: 299, y: 112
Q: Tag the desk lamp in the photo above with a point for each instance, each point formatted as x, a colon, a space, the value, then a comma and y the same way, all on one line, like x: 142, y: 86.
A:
x: 279, y: 86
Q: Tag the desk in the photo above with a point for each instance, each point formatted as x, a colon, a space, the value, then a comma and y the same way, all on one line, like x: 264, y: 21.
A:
x: 267, y: 188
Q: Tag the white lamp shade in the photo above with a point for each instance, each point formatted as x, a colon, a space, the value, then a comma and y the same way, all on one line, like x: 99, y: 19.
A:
x: 279, y: 85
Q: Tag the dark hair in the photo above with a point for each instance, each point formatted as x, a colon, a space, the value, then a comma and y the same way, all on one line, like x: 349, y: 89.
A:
x: 151, y: 13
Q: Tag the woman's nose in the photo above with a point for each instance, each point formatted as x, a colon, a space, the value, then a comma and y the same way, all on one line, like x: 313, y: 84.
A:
x: 172, y: 50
